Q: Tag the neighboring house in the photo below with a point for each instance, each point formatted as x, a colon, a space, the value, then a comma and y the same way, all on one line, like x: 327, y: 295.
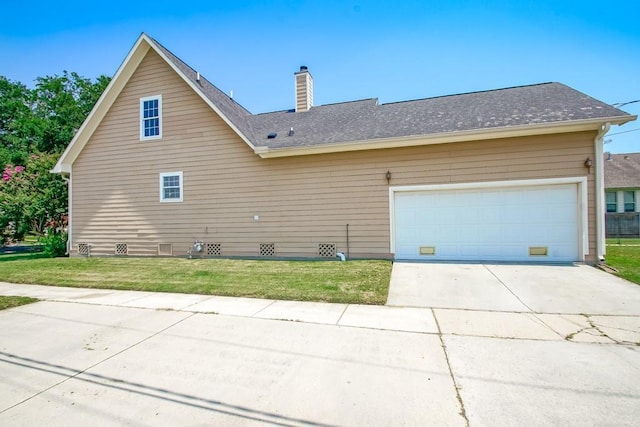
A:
x: 166, y: 159
x: 622, y: 189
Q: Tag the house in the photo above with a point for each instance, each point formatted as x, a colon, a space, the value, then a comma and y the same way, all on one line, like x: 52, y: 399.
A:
x: 168, y: 164
x: 622, y: 193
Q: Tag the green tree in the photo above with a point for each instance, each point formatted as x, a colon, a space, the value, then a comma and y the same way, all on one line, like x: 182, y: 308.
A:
x: 15, y: 100
x: 35, y: 127
x: 31, y: 198
x: 60, y: 105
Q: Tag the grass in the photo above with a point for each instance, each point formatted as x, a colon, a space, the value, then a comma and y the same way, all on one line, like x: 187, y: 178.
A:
x: 624, y: 256
x: 623, y: 241
x: 359, y: 281
x: 9, y: 302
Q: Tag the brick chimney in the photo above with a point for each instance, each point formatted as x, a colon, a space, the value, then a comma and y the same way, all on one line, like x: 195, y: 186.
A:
x: 304, y: 89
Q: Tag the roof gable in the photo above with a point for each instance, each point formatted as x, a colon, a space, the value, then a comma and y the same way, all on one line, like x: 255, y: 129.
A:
x: 230, y: 111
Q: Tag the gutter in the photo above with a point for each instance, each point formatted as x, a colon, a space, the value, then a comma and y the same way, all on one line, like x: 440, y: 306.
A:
x: 601, y: 248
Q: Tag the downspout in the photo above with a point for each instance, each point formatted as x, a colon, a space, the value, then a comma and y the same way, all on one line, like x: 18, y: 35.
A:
x: 67, y: 179
x: 599, y: 180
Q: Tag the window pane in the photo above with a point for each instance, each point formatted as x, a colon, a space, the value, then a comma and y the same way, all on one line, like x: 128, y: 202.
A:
x: 172, y: 193
x: 629, y: 201
x: 151, y: 127
x: 611, y: 201
x: 171, y: 181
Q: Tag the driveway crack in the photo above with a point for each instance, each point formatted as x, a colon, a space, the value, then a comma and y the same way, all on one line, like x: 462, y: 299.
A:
x: 463, y: 412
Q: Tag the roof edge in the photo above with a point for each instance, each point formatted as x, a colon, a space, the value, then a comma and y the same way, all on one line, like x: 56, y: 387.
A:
x: 445, y: 137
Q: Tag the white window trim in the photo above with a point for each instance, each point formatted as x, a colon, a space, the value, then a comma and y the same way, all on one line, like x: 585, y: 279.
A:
x: 162, y: 198
x: 142, y: 100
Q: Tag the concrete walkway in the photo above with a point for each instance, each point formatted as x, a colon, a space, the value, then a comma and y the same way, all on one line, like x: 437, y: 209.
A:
x: 103, y: 357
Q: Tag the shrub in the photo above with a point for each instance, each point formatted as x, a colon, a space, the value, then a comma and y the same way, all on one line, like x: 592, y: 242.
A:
x: 54, y: 243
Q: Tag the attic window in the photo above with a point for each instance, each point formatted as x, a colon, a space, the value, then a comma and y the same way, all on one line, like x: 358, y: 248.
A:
x: 151, y: 117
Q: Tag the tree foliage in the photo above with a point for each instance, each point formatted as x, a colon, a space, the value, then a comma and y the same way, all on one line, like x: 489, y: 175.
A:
x: 35, y: 127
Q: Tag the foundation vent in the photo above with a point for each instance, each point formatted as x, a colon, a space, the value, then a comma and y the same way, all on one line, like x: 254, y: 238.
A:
x: 121, y: 249
x: 165, y: 249
x: 214, y: 249
x: 84, y: 249
x: 327, y: 250
x: 267, y: 249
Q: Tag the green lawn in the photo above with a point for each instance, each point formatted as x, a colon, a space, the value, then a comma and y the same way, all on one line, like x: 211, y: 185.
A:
x: 624, y: 256
x: 359, y: 281
x: 8, y: 302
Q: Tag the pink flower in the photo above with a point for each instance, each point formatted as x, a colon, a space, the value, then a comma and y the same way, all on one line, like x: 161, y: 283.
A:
x: 6, y: 177
x: 19, y: 169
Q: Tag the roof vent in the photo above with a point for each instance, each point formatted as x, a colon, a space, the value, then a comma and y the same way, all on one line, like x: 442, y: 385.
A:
x: 272, y: 135
x: 290, y: 132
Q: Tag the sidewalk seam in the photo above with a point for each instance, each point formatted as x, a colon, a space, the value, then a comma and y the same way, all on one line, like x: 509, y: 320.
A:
x: 463, y: 412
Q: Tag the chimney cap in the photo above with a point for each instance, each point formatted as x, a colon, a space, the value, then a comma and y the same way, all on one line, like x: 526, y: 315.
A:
x: 303, y: 68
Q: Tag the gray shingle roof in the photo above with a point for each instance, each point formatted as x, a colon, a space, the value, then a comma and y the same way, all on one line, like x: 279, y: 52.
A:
x: 366, y: 120
x: 622, y: 170
x: 235, y: 112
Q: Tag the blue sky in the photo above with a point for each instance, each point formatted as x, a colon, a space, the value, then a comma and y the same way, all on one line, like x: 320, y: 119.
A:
x: 392, y: 50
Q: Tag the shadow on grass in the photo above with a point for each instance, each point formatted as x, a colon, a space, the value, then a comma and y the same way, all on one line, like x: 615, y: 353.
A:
x: 21, y: 257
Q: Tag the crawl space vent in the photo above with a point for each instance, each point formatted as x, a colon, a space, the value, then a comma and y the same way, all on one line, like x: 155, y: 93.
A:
x: 267, y: 249
x: 327, y: 250
x: 214, y: 249
x: 84, y: 249
x: 121, y: 249
x: 165, y: 249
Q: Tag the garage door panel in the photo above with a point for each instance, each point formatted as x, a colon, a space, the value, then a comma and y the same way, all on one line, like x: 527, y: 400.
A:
x: 488, y: 224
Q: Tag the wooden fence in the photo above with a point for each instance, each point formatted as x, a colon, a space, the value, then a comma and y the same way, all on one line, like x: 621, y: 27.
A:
x: 623, y: 224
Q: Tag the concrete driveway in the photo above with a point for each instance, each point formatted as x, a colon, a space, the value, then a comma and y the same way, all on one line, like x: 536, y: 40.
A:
x: 566, y: 289
x: 101, y: 357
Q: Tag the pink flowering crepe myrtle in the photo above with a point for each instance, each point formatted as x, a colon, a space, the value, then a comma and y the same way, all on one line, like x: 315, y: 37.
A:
x: 9, y: 171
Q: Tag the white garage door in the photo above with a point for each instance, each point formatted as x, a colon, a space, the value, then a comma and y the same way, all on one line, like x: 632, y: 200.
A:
x: 495, y: 224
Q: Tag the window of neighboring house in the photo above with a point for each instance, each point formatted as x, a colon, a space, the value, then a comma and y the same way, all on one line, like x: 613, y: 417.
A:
x: 612, y: 204
x: 171, y: 187
x: 151, y: 117
x: 629, y: 201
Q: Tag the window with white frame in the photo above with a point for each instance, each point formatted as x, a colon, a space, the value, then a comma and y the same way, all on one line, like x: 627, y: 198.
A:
x: 171, y: 187
x: 629, y: 201
x: 151, y: 117
x: 612, y: 203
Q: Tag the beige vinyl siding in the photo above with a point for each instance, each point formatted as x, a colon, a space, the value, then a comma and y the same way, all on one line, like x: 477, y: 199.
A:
x: 301, y: 201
